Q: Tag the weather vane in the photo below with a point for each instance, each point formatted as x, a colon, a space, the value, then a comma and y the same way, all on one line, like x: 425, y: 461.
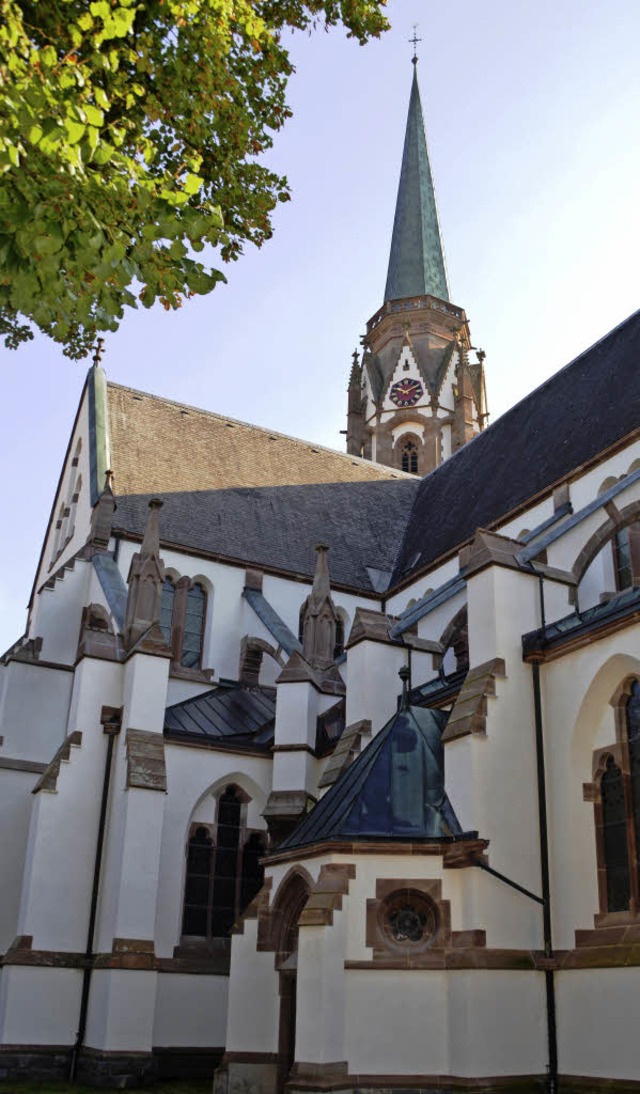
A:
x: 414, y: 42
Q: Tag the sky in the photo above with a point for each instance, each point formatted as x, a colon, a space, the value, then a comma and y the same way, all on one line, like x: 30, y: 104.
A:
x: 531, y: 110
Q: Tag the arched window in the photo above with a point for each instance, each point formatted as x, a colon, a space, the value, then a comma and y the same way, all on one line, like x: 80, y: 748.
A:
x: 338, y: 649
x: 193, y: 634
x: 626, y: 556
x: 614, y: 836
x: 223, y: 870
x: 409, y: 456
x: 166, y: 608
x: 617, y: 803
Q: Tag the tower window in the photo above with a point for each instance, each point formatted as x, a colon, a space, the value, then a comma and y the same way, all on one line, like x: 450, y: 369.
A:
x: 223, y: 871
x: 409, y: 457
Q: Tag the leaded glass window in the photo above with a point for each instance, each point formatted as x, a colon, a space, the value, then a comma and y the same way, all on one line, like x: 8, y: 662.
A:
x: 224, y: 872
x: 193, y: 627
x: 622, y: 556
x: 614, y: 828
x: 410, y: 457
x: 166, y: 608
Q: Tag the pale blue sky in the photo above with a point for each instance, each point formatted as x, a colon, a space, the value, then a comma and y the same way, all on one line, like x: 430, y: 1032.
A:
x: 532, y: 110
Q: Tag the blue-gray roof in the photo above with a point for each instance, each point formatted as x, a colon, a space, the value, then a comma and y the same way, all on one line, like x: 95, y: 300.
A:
x: 416, y: 262
x: 393, y: 790
x: 278, y: 527
x: 227, y: 716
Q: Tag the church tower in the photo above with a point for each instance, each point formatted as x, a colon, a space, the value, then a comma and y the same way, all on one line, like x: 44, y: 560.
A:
x: 417, y: 393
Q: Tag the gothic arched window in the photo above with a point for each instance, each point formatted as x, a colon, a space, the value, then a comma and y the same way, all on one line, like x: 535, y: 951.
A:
x: 166, y: 608
x: 617, y: 804
x: 193, y: 634
x: 223, y: 870
x: 626, y: 556
x: 409, y: 456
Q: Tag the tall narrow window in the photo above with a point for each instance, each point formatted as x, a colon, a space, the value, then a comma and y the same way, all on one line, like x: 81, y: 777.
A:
x: 619, y: 823
x: 614, y: 832
x: 622, y: 558
x: 193, y: 627
x: 166, y: 608
x: 338, y: 649
x: 197, y: 890
x: 409, y: 460
x: 224, y: 871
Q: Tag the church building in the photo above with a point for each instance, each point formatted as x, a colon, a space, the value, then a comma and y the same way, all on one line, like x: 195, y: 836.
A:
x: 320, y: 771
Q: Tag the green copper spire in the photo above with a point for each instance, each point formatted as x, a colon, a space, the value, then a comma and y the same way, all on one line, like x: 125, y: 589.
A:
x: 416, y: 262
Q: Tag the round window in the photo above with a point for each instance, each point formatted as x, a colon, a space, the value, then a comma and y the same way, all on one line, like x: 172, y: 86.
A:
x: 410, y: 919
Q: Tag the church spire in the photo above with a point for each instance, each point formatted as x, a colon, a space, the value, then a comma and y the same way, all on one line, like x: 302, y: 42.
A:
x: 416, y: 262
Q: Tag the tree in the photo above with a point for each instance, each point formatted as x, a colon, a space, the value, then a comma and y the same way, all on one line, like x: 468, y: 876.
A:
x: 129, y: 139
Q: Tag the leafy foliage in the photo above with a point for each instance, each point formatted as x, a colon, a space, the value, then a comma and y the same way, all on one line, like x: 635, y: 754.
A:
x: 129, y: 137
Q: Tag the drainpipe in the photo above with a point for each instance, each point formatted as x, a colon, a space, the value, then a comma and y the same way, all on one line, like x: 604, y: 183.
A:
x: 552, y: 1037
x: 111, y: 720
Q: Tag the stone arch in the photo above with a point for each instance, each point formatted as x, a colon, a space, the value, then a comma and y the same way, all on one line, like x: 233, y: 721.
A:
x: 603, y: 692
x: 252, y: 650
x: 628, y: 515
x: 456, y: 636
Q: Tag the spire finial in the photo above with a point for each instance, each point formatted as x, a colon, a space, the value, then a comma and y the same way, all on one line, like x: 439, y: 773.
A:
x: 414, y: 42
x: 97, y: 354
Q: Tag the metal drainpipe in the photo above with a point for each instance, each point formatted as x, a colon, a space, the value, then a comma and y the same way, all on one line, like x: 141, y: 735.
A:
x: 111, y: 723
x: 552, y: 1037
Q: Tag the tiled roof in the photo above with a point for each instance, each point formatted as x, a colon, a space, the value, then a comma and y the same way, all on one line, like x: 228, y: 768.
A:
x: 158, y: 446
x: 278, y: 527
x: 584, y: 409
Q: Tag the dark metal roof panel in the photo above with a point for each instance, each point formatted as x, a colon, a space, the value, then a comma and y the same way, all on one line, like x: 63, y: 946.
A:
x: 585, y: 408
x: 224, y: 714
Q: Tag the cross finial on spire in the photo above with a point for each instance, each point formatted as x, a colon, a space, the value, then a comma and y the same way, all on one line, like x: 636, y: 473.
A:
x: 414, y: 42
x: 97, y: 356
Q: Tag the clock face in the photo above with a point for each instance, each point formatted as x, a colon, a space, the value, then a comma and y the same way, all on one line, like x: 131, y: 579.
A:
x: 406, y: 392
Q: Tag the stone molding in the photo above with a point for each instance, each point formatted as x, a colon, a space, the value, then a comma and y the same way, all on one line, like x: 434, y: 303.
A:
x: 326, y: 895
x: 373, y: 626
x: 49, y: 779
x: 469, y: 714
x: 146, y: 766
x: 347, y: 748
x: 456, y: 854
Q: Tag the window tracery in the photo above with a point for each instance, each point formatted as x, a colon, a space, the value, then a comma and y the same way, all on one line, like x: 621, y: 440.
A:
x: 223, y: 870
x: 183, y: 611
x: 615, y: 793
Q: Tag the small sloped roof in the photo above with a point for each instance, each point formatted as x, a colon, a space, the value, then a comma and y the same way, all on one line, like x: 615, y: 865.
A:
x: 159, y: 446
x: 393, y: 790
x: 279, y: 526
x: 578, y: 413
x: 227, y: 715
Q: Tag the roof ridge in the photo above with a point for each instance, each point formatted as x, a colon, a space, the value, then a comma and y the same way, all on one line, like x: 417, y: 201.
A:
x: 394, y: 472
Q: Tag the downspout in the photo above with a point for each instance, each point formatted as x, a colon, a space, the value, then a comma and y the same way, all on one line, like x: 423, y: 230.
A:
x: 552, y: 1037
x: 111, y: 720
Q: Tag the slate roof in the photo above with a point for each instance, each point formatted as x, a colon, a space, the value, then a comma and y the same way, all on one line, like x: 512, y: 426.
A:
x: 585, y: 408
x: 278, y: 527
x: 228, y: 716
x: 416, y: 262
x: 158, y: 446
x: 393, y: 790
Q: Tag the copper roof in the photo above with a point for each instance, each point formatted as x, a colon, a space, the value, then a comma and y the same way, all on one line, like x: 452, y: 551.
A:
x: 159, y: 446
